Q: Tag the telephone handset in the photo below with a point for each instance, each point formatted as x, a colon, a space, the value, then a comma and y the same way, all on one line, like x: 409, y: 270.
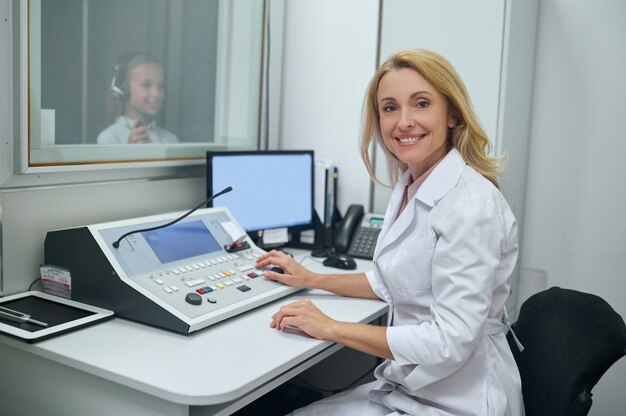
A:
x: 346, y: 229
x: 358, y: 232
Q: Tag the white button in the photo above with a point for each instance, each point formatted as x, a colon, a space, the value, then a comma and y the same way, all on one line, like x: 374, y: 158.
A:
x: 244, y: 277
x: 195, y: 266
x: 217, y: 276
x: 189, y: 268
x: 208, y: 263
x: 245, y: 267
x: 237, y: 280
x: 194, y: 282
x: 214, y: 262
x: 174, y: 288
x: 167, y: 290
x: 227, y: 282
x: 158, y: 281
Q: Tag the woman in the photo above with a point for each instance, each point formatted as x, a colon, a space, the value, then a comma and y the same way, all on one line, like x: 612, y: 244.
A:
x: 138, y: 88
x: 443, y: 259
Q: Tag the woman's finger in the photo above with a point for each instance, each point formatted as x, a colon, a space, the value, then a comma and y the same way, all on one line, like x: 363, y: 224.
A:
x: 289, y: 321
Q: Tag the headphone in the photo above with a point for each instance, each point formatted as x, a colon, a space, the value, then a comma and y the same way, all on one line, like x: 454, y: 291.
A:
x: 119, y: 83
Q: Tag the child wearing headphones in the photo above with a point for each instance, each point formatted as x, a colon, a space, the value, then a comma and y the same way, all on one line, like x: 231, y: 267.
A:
x: 138, y: 89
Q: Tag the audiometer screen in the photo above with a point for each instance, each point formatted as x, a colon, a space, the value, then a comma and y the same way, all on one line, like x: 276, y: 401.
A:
x: 181, y: 241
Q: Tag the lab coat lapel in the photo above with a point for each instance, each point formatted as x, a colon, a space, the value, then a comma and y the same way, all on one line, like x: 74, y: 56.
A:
x: 392, y: 210
x: 401, y: 224
x: 440, y: 181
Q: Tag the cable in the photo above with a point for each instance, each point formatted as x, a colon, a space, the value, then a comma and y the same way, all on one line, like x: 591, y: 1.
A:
x: 226, y: 190
x: 310, y: 258
x: 34, y: 281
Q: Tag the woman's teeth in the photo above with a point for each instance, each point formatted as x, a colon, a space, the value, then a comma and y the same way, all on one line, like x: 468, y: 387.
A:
x: 410, y: 139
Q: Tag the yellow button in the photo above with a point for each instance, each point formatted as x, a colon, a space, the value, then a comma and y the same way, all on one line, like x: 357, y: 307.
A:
x: 221, y: 286
x: 227, y: 273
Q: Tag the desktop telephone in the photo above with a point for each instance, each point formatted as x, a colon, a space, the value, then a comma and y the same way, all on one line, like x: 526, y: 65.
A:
x: 358, y: 232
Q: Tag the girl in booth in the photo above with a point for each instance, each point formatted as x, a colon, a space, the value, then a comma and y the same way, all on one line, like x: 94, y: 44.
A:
x: 138, y: 89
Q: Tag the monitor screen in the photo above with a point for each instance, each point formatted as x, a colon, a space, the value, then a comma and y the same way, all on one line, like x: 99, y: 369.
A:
x: 181, y: 241
x: 271, y: 189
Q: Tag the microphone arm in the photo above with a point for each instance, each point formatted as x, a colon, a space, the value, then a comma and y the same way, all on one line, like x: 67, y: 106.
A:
x: 116, y: 244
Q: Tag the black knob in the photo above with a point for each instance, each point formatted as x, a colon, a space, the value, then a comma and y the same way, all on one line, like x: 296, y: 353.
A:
x: 193, y: 298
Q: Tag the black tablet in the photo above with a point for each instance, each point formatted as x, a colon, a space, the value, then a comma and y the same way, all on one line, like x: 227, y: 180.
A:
x: 35, y: 316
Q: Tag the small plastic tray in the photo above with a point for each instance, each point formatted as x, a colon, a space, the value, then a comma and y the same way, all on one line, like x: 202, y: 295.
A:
x: 62, y: 316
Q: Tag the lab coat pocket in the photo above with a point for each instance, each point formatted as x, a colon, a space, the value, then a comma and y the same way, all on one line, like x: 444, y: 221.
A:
x: 413, y: 263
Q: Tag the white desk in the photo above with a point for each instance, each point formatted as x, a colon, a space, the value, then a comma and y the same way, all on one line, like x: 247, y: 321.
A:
x: 124, y: 368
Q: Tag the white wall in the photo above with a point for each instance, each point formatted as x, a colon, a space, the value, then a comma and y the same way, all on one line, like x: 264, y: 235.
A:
x: 575, y: 227
x: 329, y: 58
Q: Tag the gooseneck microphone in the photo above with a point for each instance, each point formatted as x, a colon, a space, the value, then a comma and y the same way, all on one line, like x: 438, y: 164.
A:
x: 209, y: 199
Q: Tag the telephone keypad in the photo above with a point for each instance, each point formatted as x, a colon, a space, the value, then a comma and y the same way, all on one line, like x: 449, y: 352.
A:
x: 364, y: 242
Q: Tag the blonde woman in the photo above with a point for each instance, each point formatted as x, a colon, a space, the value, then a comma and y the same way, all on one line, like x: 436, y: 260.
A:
x: 443, y: 259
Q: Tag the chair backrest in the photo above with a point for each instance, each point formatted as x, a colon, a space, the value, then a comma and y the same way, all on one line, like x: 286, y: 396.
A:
x: 570, y: 339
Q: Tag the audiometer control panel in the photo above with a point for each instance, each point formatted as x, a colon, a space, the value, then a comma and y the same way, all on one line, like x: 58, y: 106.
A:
x: 208, y: 284
x: 197, y: 271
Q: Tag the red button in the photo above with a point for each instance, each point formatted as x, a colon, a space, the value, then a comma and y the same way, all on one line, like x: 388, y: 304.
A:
x: 201, y: 291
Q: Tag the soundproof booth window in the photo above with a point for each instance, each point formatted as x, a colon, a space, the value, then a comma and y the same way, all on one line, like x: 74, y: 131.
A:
x: 136, y: 81
x: 271, y: 189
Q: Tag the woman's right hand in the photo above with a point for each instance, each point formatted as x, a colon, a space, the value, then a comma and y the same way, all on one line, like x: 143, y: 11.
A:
x: 295, y: 275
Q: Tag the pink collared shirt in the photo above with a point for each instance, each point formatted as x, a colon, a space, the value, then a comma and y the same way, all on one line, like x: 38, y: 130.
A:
x: 412, y: 186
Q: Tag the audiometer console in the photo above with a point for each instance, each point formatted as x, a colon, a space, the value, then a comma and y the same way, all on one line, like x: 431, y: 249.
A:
x: 183, y: 278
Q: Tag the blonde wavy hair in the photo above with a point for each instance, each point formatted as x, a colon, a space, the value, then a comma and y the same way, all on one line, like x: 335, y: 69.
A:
x: 467, y: 136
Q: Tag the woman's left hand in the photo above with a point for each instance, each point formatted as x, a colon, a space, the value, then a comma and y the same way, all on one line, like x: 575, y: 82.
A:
x: 306, y: 317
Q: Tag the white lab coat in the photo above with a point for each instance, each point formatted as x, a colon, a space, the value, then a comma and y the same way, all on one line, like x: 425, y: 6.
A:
x: 444, y: 267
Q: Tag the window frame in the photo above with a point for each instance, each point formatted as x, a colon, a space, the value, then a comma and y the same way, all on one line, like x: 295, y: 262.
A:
x: 176, y: 166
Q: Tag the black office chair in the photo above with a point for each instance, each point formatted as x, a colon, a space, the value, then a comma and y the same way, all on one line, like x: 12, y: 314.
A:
x: 570, y: 339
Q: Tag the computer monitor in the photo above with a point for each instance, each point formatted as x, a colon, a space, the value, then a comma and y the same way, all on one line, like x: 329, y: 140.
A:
x: 271, y: 189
